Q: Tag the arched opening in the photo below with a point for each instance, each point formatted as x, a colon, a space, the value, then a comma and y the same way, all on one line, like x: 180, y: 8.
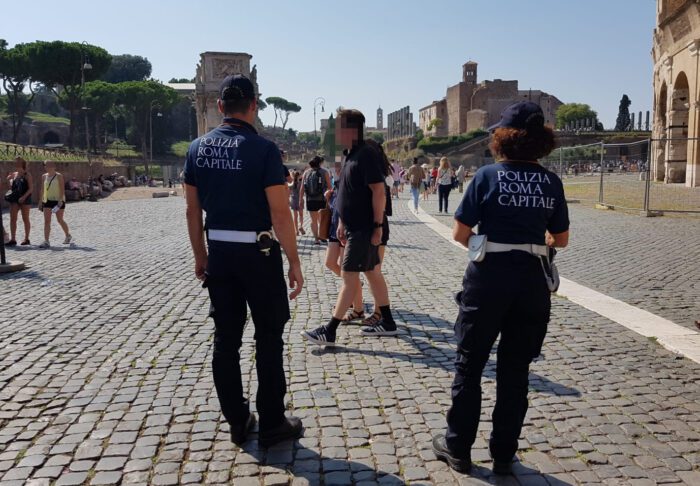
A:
x: 51, y: 138
x: 677, y: 133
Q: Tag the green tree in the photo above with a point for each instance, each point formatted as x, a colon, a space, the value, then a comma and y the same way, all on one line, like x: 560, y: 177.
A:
x: 60, y: 65
x: 127, y: 67
x: 570, y: 112
x: 16, y: 72
x: 623, y: 122
x: 99, y: 98
x: 140, y: 98
x: 377, y: 137
x: 181, y: 80
x: 283, y: 108
x: 434, y: 123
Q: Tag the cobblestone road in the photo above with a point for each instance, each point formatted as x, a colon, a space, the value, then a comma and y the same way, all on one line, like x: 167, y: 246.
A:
x: 105, y: 375
x: 651, y: 263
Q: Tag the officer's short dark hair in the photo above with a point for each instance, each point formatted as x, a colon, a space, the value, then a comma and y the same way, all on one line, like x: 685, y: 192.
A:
x: 349, y: 118
x: 415, y: 160
x: 236, y: 106
x: 518, y: 144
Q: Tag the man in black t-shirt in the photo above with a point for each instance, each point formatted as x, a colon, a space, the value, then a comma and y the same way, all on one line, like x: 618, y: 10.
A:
x: 361, y: 206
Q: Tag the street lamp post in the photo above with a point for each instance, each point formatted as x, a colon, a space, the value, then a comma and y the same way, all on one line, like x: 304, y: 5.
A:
x: 85, y: 65
x: 318, y: 102
x: 150, y: 126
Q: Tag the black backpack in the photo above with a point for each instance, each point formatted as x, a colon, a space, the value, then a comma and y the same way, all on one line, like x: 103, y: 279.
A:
x: 314, y: 185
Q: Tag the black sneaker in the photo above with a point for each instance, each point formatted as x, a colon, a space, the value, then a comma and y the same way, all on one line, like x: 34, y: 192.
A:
x: 321, y: 336
x: 11, y: 243
x: 502, y: 468
x: 441, y: 451
x: 240, y: 432
x: 381, y: 328
x: 291, y: 428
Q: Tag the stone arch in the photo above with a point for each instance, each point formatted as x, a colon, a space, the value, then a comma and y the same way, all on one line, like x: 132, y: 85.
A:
x: 51, y: 137
x: 662, y: 108
x: 677, y: 133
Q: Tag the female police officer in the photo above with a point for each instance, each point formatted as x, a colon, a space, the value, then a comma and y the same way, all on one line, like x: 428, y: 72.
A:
x: 520, y: 208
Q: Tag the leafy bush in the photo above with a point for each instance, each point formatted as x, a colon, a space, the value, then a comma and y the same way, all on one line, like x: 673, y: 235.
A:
x: 437, y: 144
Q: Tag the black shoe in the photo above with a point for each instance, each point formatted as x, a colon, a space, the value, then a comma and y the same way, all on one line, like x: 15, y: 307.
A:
x: 240, y: 432
x: 381, y: 328
x: 291, y: 428
x: 11, y: 243
x: 321, y: 336
x: 502, y: 468
x: 459, y: 464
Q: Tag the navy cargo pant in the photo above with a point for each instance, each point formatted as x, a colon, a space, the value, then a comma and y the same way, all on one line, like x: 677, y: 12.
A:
x: 240, y: 274
x: 504, y: 294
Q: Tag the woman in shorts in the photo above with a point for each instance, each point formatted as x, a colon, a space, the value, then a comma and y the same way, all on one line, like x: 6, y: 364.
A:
x: 297, y: 209
x: 53, y: 197
x: 21, y: 183
x: 315, y: 182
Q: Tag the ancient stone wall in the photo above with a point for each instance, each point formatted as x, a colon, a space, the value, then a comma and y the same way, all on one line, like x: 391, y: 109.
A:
x: 82, y: 171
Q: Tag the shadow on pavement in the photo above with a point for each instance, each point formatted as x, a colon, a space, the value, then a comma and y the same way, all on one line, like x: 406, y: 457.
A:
x: 295, y: 459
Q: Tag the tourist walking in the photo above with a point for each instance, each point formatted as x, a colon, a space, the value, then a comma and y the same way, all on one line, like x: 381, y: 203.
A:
x: 53, y: 201
x: 361, y: 206
x: 396, y: 175
x: 461, y: 176
x: 295, y: 203
x: 426, y: 182
x: 522, y: 216
x: 335, y: 252
x: 20, y: 199
x: 415, y: 176
x: 245, y: 198
x: 315, y: 182
x: 444, y: 183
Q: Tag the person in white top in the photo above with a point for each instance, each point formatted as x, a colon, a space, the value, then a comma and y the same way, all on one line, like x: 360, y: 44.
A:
x: 461, y: 175
x: 444, y: 183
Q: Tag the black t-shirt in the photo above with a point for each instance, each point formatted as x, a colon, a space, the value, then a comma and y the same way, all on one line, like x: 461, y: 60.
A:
x: 354, y: 204
x: 515, y: 202
x: 231, y: 166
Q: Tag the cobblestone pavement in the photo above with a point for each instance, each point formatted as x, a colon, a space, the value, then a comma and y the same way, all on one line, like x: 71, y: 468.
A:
x: 651, y: 263
x: 105, y: 375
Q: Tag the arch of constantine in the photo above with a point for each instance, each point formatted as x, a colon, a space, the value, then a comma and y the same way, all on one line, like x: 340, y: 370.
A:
x: 213, y: 67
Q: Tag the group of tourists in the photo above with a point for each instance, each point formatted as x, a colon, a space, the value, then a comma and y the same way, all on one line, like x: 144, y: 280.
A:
x: 239, y: 224
x: 52, y: 201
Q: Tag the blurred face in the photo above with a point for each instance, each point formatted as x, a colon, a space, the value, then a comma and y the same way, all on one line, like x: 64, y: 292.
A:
x: 19, y: 167
x: 50, y: 167
x: 346, y: 135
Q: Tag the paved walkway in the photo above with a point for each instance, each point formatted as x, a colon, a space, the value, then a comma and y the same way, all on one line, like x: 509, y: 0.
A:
x: 651, y: 263
x: 105, y: 375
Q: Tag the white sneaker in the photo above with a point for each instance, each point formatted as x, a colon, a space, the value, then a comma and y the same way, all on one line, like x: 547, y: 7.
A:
x: 45, y: 245
x: 67, y: 240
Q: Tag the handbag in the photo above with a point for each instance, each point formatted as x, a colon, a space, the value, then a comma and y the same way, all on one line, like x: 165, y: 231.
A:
x: 324, y: 225
x: 11, y: 196
x: 476, y: 248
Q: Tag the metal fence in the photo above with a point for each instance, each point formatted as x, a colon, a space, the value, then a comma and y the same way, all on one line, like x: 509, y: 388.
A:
x: 9, y: 151
x: 626, y: 175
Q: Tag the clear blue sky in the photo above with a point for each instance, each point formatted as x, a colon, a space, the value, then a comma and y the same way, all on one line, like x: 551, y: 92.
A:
x: 363, y: 53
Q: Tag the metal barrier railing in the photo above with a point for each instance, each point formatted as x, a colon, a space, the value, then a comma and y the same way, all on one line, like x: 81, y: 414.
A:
x: 639, y: 175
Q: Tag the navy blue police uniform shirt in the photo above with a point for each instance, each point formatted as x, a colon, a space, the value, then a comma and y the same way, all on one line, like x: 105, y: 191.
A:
x: 354, y: 203
x: 231, y: 166
x: 515, y: 202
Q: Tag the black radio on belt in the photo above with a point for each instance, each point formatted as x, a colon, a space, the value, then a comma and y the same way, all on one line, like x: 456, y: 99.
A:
x: 265, y: 242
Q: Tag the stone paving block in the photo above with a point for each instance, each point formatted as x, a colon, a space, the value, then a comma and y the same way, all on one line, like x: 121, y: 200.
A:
x: 121, y: 379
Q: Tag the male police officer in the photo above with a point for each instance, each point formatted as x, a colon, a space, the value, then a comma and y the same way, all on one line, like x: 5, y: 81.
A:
x: 237, y: 178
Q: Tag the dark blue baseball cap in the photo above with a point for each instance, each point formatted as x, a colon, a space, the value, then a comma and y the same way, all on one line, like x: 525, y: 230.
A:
x: 521, y: 115
x: 236, y: 87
